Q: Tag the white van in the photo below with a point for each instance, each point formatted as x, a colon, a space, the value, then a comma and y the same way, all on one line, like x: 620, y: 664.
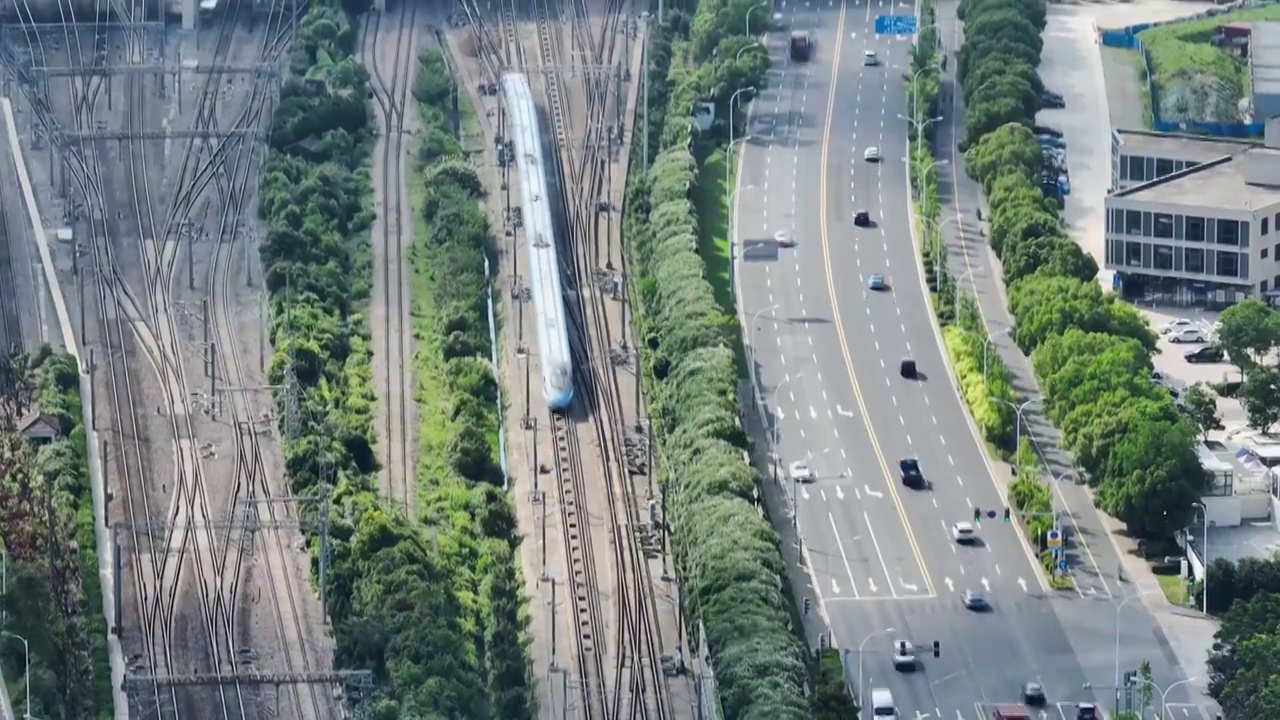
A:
x: 882, y: 704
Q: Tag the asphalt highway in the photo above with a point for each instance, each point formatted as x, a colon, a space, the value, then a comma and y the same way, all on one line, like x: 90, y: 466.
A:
x: 825, y: 354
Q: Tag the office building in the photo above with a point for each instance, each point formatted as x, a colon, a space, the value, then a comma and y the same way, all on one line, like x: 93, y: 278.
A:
x: 1203, y: 235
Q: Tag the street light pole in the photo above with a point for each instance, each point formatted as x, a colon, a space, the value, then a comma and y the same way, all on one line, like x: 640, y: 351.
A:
x: 861, y: 645
x: 1204, y: 558
x: 1118, y: 609
x: 753, y: 7
x: 938, y: 244
x: 26, y: 655
x: 1164, y: 694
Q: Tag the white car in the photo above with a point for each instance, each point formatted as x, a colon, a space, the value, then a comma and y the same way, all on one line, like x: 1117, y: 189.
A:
x: 872, y: 154
x: 869, y: 58
x: 1186, y: 335
x: 801, y: 472
x: 904, y: 656
x: 963, y: 533
x: 1175, y: 325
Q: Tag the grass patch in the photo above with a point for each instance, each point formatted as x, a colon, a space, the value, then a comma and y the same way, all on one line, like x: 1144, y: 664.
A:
x: 1174, y: 588
x: 1189, y: 71
x: 713, y: 238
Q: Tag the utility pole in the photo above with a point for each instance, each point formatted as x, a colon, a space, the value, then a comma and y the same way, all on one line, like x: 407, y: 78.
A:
x: 553, y: 623
x: 645, y: 89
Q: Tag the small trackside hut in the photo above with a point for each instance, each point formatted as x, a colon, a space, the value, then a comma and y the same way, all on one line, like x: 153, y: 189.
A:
x: 801, y: 45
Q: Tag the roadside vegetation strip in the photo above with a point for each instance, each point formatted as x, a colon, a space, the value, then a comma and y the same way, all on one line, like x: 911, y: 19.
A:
x: 726, y: 554
x: 1090, y: 352
x: 460, y: 477
x: 435, y: 637
x: 53, y: 597
x: 715, y: 225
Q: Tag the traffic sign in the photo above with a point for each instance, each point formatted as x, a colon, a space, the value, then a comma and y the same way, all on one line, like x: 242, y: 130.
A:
x: 1062, y: 565
x: 1054, y: 538
x: 895, y: 24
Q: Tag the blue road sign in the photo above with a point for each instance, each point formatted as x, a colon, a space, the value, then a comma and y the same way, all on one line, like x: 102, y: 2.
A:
x: 1062, y: 565
x: 895, y: 24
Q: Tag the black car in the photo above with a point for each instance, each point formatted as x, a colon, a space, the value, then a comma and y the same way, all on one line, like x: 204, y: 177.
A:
x: 908, y: 369
x: 911, y: 475
x: 1052, y: 100
x: 862, y: 218
x: 1033, y: 694
x: 1206, y: 354
x: 1087, y: 711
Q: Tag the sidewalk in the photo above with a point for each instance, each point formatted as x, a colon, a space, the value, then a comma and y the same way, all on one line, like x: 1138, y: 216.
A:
x: 1103, y: 563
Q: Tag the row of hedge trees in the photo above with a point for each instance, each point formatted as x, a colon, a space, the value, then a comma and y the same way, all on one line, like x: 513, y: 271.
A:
x: 1090, y: 352
x: 428, y: 606
x: 726, y: 553
x: 53, y: 597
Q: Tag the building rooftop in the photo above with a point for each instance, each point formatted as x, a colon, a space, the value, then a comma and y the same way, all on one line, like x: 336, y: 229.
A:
x: 1218, y: 183
x: 1196, y: 148
x: 1264, y: 58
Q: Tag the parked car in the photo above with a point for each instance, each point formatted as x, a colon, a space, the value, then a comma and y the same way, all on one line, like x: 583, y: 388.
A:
x: 1051, y: 141
x: 1052, y: 100
x: 1046, y: 130
x: 1206, y: 354
x: 1186, y: 335
x: 1176, y: 324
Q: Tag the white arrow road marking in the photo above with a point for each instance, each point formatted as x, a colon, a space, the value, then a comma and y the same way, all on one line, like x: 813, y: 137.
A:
x: 839, y: 493
x: 922, y: 716
x: 835, y: 588
x: 905, y: 586
x: 871, y: 584
x: 959, y: 715
x: 874, y: 493
x: 813, y: 414
x: 950, y: 587
x: 986, y: 585
x: 842, y: 411
x: 1022, y: 584
x: 804, y: 492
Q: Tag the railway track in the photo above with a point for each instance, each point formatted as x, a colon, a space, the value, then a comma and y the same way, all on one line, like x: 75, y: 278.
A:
x: 619, y: 677
x: 190, y: 531
x: 390, y: 91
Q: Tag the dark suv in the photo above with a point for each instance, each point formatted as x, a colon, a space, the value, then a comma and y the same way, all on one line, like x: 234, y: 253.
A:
x: 911, y: 475
x: 1206, y: 354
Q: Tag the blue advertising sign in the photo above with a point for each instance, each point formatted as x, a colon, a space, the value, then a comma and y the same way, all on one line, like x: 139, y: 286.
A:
x: 895, y: 24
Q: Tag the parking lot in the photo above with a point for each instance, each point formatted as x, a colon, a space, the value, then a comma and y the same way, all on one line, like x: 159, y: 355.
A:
x: 1170, y: 362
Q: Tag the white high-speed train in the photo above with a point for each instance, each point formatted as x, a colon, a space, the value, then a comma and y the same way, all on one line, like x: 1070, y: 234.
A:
x: 543, y: 254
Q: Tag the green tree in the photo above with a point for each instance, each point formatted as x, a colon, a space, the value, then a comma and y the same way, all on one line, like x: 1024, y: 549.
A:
x: 996, y: 65
x: 1201, y: 405
x: 1145, y: 693
x: 1249, y: 330
x: 1049, y: 254
x: 1045, y: 305
x: 1008, y: 149
x: 987, y: 114
x: 1260, y: 395
x: 1244, y: 656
